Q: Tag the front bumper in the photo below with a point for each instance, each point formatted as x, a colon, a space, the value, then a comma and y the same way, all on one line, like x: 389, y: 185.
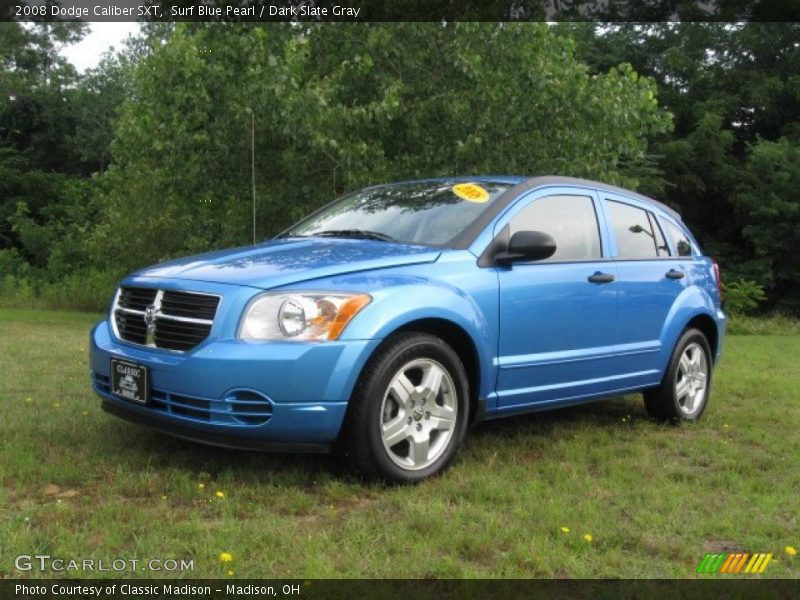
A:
x: 299, y: 391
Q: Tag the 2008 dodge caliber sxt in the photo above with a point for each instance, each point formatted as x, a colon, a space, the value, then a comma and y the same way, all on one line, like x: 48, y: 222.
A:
x: 388, y: 321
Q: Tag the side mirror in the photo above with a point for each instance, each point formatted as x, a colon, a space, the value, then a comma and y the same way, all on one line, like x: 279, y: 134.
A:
x: 527, y: 246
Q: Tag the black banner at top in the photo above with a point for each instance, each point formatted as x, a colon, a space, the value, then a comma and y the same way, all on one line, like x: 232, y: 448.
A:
x: 399, y: 10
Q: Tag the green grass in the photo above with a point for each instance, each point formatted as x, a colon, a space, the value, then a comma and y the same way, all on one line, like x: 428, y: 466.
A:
x: 772, y: 324
x: 77, y: 483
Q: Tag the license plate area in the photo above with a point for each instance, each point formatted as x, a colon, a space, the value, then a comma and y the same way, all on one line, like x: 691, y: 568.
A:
x: 130, y: 381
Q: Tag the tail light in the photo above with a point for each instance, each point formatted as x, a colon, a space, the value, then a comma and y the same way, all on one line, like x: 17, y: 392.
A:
x: 718, y: 279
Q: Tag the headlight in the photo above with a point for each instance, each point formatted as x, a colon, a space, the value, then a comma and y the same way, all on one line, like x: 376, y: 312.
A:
x: 301, y: 317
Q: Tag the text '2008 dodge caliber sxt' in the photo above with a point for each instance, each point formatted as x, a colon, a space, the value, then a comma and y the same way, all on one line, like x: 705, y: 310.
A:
x: 387, y: 322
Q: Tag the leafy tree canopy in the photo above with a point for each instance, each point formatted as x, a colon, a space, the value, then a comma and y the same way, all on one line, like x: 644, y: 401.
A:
x: 338, y: 107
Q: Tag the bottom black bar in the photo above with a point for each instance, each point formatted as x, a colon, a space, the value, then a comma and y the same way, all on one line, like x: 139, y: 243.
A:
x: 385, y: 589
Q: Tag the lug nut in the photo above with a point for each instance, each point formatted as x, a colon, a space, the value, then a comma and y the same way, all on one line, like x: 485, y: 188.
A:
x: 419, y: 426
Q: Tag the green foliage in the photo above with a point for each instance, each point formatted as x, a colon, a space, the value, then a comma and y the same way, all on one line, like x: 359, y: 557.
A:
x: 147, y: 156
x: 86, y: 289
x: 743, y: 296
x: 341, y: 107
x: 768, y: 203
x: 730, y: 163
x: 55, y: 130
x: 772, y: 324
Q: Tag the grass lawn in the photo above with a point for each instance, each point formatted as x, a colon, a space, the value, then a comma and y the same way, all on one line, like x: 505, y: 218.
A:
x: 76, y: 483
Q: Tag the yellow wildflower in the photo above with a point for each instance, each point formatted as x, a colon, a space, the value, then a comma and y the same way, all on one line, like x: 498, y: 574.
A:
x: 790, y: 550
x: 201, y: 486
x: 225, y: 557
x: 587, y: 537
x: 220, y: 494
x: 230, y: 573
x: 565, y: 529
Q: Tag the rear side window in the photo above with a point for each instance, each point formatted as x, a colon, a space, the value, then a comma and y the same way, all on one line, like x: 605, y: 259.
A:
x: 636, y: 232
x: 681, y: 242
x: 572, y: 222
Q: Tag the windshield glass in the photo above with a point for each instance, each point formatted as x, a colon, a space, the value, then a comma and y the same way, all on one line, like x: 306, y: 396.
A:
x: 431, y: 213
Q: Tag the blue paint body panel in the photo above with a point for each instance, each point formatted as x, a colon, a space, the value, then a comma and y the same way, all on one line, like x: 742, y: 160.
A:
x: 541, y: 334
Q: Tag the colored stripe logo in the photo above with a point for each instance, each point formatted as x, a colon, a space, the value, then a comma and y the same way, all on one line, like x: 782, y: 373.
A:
x: 738, y: 562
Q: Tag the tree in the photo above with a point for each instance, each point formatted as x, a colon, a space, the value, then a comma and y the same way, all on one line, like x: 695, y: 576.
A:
x: 733, y: 88
x: 767, y: 202
x: 343, y: 106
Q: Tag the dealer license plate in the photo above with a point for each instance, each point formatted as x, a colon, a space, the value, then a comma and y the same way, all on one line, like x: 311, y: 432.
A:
x: 130, y: 381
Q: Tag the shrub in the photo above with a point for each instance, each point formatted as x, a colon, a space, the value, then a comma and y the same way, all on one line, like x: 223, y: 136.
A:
x: 743, y: 296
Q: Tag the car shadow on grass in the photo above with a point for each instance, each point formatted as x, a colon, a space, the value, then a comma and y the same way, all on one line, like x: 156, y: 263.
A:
x: 602, y: 413
x: 161, y: 451
x: 156, y: 450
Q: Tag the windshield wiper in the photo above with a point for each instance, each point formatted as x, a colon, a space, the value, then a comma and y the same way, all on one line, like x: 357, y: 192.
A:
x: 356, y: 233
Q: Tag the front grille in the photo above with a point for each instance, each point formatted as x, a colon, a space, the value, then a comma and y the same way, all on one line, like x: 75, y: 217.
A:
x: 177, y: 320
x: 239, y: 407
x: 136, y: 298
x: 195, y: 306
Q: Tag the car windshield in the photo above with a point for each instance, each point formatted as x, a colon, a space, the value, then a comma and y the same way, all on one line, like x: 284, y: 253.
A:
x: 428, y: 213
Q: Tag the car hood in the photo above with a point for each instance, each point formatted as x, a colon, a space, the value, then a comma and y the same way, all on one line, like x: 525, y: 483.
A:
x: 291, y: 260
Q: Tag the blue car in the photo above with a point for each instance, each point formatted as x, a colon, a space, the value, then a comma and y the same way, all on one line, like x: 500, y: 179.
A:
x: 389, y: 321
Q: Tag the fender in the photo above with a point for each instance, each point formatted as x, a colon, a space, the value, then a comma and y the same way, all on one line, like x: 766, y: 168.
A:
x: 691, y: 303
x: 423, y: 298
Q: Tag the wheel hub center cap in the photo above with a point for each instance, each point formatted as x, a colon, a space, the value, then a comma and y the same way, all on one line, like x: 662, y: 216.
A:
x: 418, y: 414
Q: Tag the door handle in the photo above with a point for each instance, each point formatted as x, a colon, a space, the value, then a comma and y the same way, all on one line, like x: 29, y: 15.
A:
x: 599, y: 277
x: 673, y: 274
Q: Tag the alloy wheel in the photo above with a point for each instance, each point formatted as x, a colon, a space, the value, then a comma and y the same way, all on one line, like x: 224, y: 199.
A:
x: 691, y: 379
x: 418, y: 414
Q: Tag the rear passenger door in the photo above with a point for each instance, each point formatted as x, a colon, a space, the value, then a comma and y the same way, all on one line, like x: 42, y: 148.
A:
x: 649, y: 280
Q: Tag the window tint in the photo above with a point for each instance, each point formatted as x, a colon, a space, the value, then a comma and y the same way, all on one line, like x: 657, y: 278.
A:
x: 571, y: 221
x: 633, y: 232
x: 679, y: 239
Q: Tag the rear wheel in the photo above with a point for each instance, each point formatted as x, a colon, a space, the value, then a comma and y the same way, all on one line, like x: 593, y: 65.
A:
x: 408, y: 415
x: 684, y: 390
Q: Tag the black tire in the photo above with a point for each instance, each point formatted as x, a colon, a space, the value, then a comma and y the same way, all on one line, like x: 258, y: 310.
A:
x: 671, y: 402
x: 374, y: 407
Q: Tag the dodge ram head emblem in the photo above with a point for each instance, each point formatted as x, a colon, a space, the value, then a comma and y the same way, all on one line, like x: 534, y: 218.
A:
x: 150, y: 315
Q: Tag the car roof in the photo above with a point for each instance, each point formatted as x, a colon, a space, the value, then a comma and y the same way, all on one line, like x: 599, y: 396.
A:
x: 553, y: 180
x: 525, y: 183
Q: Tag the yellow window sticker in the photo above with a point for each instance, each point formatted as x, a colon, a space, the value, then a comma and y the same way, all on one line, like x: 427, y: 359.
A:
x: 471, y: 192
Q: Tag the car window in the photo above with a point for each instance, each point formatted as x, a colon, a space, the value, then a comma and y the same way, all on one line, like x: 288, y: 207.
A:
x: 572, y: 222
x: 425, y: 212
x: 633, y: 231
x: 680, y: 240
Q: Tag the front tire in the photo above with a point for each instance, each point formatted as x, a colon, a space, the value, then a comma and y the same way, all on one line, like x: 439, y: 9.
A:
x: 685, y: 388
x: 408, y: 415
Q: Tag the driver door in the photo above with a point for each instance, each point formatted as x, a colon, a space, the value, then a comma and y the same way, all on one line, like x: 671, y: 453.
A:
x: 558, y: 315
